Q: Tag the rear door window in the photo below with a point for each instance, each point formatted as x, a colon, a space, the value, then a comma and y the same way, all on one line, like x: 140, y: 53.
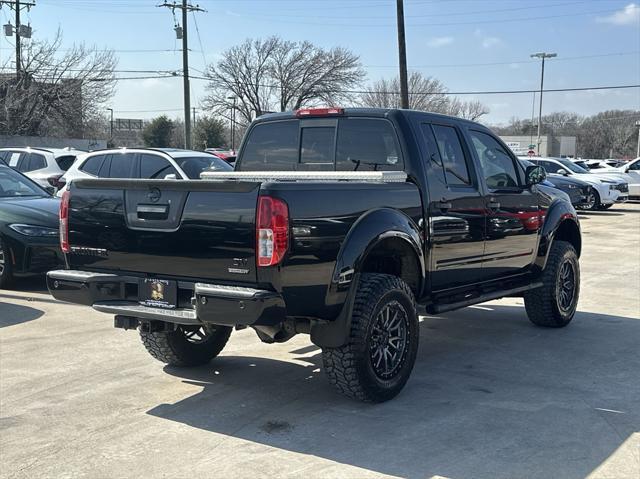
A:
x: 549, y: 166
x: 65, y: 162
x: 155, y: 167
x: 31, y: 162
x: 367, y: 144
x: 93, y: 164
x: 452, y: 157
x: 121, y: 165
x: 271, y: 146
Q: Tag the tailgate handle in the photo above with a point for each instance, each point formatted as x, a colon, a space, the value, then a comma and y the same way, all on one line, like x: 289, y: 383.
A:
x: 153, y: 212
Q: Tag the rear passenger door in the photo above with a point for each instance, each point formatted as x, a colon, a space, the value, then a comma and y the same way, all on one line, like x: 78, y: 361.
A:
x: 456, y: 212
x: 513, y: 215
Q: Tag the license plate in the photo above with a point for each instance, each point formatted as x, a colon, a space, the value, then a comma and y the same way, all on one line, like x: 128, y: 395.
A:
x: 158, y: 293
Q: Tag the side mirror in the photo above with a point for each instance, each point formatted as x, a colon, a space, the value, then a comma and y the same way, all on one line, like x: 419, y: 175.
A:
x: 535, y: 174
x: 171, y: 176
x: 562, y: 172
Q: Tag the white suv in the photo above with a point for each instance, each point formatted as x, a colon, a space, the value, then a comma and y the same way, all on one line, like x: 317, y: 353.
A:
x: 608, y: 189
x: 149, y: 163
x: 45, y: 166
x: 633, y: 170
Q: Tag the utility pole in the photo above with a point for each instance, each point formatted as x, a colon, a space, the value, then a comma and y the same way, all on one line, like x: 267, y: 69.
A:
x: 543, y: 56
x: 185, y: 7
x: 402, y: 56
x: 20, y: 30
x: 233, y: 121
x: 194, y: 122
x: 18, y: 52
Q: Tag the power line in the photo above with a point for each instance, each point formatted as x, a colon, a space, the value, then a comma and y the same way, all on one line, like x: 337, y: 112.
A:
x: 456, y: 65
x: 438, y: 24
x: 429, y: 15
x: 489, y: 92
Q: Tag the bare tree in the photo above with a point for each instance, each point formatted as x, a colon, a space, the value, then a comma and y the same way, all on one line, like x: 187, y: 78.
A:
x: 609, y: 133
x: 605, y: 134
x: 56, y: 93
x: 269, y: 74
x: 469, y: 110
x: 425, y: 94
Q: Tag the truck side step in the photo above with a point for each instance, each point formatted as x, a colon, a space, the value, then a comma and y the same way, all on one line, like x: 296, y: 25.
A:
x: 442, y: 307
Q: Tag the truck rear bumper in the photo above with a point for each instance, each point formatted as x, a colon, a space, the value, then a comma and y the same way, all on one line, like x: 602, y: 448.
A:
x: 211, y: 303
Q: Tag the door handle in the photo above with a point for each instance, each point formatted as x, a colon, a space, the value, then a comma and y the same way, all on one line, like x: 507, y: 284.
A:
x: 443, y: 206
x: 493, y: 205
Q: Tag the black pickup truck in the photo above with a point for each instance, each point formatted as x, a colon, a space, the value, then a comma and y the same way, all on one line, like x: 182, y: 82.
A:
x: 336, y: 223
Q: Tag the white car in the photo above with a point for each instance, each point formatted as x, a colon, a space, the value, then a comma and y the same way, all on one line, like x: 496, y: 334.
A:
x: 45, y: 166
x: 149, y: 163
x: 633, y: 170
x: 608, y: 189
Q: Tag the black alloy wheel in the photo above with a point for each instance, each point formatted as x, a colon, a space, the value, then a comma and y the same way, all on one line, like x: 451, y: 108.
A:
x: 388, y: 346
x: 566, y: 286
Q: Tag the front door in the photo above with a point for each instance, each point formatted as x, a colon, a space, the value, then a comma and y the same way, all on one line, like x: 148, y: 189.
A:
x: 456, y: 214
x: 514, y: 218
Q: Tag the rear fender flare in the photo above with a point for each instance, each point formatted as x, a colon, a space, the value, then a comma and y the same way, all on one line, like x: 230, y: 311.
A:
x: 366, y: 233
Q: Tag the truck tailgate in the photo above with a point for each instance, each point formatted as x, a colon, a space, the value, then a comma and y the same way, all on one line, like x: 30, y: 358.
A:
x: 165, y: 228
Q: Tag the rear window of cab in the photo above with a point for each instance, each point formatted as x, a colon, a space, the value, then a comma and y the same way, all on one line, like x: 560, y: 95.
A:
x: 322, y: 144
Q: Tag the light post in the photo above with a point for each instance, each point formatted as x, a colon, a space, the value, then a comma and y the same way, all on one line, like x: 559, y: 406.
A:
x: 638, y: 148
x: 543, y: 56
x: 233, y: 121
x: 111, y: 125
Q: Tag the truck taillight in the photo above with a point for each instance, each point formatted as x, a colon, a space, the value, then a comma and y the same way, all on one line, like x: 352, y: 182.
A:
x: 272, y: 230
x: 64, y: 222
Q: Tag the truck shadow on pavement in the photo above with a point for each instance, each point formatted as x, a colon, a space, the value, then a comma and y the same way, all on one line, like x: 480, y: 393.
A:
x: 490, y: 396
x: 13, y: 314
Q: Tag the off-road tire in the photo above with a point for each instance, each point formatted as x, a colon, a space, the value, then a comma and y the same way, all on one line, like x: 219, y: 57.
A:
x: 350, y: 367
x: 544, y: 305
x: 6, y: 272
x: 175, y: 349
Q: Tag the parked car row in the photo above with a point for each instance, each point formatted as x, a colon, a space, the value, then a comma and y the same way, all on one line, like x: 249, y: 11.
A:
x: 31, y: 178
x: 595, y: 189
x: 45, y: 166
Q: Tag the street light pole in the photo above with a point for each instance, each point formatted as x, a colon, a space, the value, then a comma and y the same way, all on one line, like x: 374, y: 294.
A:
x: 638, y: 148
x: 233, y: 121
x: 111, y: 126
x: 543, y: 56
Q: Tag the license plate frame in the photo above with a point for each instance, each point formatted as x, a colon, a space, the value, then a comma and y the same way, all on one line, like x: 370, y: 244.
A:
x: 158, y: 293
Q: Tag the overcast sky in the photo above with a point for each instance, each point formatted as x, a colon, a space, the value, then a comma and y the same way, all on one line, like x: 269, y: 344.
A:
x: 470, y: 45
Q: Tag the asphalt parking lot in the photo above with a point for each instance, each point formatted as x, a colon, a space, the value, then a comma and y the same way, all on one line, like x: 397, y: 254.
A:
x: 491, y: 396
